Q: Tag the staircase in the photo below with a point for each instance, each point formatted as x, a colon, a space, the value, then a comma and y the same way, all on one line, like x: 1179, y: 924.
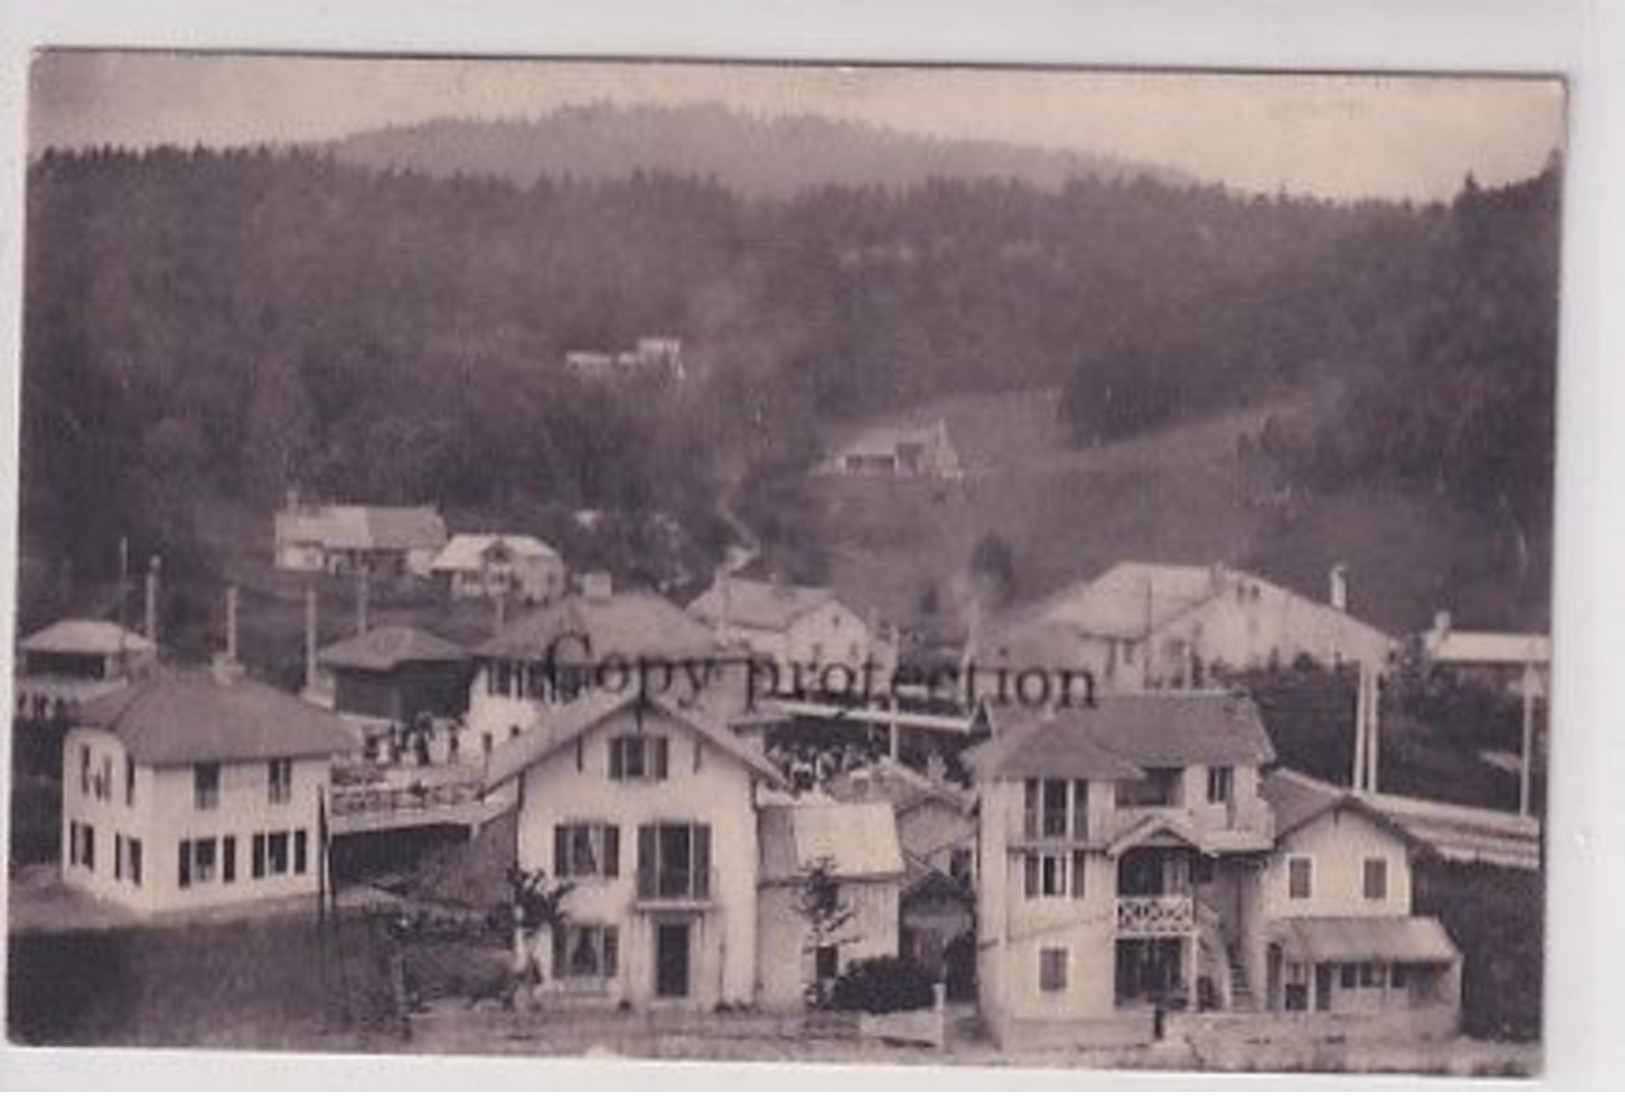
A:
x: 1241, y: 992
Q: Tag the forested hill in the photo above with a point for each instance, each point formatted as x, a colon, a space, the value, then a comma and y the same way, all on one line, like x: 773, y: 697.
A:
x: 756, y: 155
x: 212, y: 324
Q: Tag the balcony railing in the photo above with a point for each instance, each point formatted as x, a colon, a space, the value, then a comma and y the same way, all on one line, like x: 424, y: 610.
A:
x: 390, y: 798
x: 1147, y: 915
x: 687, y: 887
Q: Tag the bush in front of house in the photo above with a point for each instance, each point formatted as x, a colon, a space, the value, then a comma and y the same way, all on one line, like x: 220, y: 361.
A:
x: 887, y: 983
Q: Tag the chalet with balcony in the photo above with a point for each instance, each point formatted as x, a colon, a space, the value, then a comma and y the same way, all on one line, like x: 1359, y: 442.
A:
x: 650, y: 810
x: 1115, y: 844
x: 196, y: 789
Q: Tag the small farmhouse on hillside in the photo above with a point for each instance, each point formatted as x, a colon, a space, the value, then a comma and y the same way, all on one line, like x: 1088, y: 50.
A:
x: 1159, y: 626
x: 191, y: 789
x: 899, y: 452
x: 649, y: 811
x: 72, y: 661
x: 388, y: 541
x: 491, y: 565
x: 806, y: 625
x: 857, y: 844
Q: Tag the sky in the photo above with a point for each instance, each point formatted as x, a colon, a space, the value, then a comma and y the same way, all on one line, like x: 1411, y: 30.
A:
x: 1335, y: 136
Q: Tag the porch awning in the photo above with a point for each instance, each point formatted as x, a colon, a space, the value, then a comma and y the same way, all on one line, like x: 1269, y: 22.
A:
x: 1365, y: 939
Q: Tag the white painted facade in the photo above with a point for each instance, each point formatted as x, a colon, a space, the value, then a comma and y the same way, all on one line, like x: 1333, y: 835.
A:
x: 788, y: 963
x: 127, y: 814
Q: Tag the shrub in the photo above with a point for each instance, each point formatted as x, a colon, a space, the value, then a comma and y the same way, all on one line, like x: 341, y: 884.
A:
x: 884, y: 984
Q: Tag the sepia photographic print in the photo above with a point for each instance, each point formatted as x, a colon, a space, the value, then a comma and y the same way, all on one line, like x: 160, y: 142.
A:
x: 785, y: 562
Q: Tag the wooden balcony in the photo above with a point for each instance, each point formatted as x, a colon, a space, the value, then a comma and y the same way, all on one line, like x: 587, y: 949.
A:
x: 1146, y: 916
x: 675, y: 890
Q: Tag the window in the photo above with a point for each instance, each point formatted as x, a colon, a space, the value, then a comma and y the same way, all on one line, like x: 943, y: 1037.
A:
x: 299, y: 852
x: 183, y: 866
x: 1078, y: 872
x: 1055, y: 812
x: 1399, y: 976
x: 1201, y: 869
x: 586, y: 951
x: 638, y: 757
x: 1376, y: 878
x: 586, y: 850
x: 73, y: 844
x: 129, y: 781
x: 1372, y: 975
x: 104, y: 780
x: 960, y: 864
x: 203, y: 860
x: 228, y: 860
x: 84, y: 770
x: 258, y: 866
x: 1348, y: 975
x: 206, y: 786
x: 134, y: 850
x: 279, y: 780
x: 1055, y: 809
x: 118, y: 856
x: 827, y: 962
x: 87, y: 854
x: 276, y: 853
x: 1045, y: 875
x: 1299, y: 877
x: 1052, y: 969
x: 1080, y: 810
x: 674, y: 861
x: 1221, y: 784
x: 1158, y: 788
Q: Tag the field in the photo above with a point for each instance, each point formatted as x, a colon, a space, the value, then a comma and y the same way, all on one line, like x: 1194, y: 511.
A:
x: 1170, y: 495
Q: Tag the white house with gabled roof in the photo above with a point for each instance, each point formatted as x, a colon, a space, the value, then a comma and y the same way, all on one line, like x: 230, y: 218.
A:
x: 789, y: 624
x: 193, y: 789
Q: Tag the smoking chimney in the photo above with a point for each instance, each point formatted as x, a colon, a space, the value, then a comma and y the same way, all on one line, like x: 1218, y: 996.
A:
x: 1338, y: 594
x: 153, y: 567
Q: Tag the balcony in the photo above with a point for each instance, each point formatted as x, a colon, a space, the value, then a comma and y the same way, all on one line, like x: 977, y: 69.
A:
x: 1146, y: 916
x: 673, y: 889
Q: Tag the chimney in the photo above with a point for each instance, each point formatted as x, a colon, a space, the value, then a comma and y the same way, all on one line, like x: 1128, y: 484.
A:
x: 153, y: 566
x: 1441, y: 624
x: 1338, y: 593
x: 310, y: 638
x: 231, y: 623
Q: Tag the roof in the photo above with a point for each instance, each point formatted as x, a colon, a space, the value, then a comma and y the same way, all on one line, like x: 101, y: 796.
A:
x: 1365, y: 939
x: 1297, y: 800
x: 1129, y: 599
x: 563, y: 725
x: 388, y: 647
x: 184, y: 717
x: 752, y: 604
x: 1125, y: 733
x: 466, y: 551
x: 886, y: 439
x: 859, y: 839
x: 629, y: 624
x: 360, y: 528
x: 1489, y: 648
x: 88, y: 637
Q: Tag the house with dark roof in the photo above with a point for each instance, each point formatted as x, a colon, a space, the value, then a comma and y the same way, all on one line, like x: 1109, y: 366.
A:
x: 389, y: 541
x: 72, y: 661
x: 648, y: 807
x: 395, y: 676
x: 1114, y: 844
x: 1335, y: 928
x: 1154, y: 625
x: 857, y: 844
x: 192, y: 789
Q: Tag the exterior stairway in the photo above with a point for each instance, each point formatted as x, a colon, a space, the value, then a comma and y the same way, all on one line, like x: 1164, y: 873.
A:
x: 1241, y: 992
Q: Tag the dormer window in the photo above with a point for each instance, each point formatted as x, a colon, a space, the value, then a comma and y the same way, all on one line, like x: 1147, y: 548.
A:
x: 639, y: 757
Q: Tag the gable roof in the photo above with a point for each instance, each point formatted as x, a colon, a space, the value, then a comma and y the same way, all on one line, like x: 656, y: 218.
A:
x: 1365, y: 939
x: 563, y: 725
x: 859, y: 839
x: 887, y: 439
x: 184, y: 717
x: 88, y: 637
x: 753, y: 604
x: 390, y: 646
x: 466, y: 551
x: 1297, y: 799
x: 1123, y: 734
x: 361, y: 528
x: 629, y: 623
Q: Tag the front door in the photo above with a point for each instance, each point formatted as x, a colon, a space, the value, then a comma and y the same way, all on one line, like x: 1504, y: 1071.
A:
x: 1323, y: 987
x: 671, y: 959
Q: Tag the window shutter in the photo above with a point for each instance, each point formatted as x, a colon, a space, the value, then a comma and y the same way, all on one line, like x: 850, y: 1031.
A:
x: 184, y: 864
x: 702, y: 861
x: 1031, y: 865
x: 612, y: 951
x: 662, y: 757
x: 646, y: 852
x: 259, y: 856
x: 1079, y: 860
x: 612, y: 851
x: 561, y: 851
x: 299, y: 852
x: 228, y: 859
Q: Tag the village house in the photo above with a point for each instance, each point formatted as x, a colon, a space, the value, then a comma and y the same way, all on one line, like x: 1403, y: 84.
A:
x: 656, y: 358
x: 388, y: 541
x: 1160, y: 626
x: 501, y: 565
x: 392, y: 678
x: 193, y: 789
x: 857, y: 844
x: 1334, y: 899
x: 649, y: 810
x: 1114, y: 842
x: 899, y: 452
x: 805, y: 625
x: 549, y: 656
x: 1519, y: 662
x: 72, y: 661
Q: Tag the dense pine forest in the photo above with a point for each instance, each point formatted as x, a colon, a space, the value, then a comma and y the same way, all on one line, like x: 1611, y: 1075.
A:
x: 227, y: 324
